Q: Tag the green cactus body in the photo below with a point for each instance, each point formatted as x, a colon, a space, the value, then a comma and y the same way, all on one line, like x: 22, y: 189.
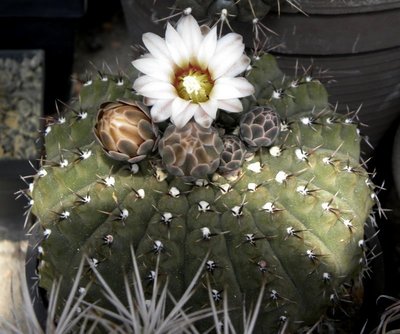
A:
x: 292, y: 220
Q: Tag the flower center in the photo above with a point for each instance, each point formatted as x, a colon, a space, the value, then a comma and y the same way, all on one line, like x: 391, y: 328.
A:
x: 194, y: 84
x: 191, y: 85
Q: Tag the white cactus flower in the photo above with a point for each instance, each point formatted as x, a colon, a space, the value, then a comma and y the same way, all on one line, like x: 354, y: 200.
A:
x: 191, y: 73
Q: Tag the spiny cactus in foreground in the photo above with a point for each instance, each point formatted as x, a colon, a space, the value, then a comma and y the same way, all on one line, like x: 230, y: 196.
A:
x: 272, y: 198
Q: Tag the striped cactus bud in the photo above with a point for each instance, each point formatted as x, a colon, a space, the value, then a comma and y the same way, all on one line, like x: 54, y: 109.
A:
x: 259, y: 127
x: 191, y: 151
x: 125, y: 131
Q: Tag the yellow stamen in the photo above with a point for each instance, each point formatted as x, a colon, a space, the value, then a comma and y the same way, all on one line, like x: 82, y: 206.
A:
x: 194, y: 84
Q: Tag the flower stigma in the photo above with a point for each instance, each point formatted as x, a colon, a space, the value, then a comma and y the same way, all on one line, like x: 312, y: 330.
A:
x: 194, y: 85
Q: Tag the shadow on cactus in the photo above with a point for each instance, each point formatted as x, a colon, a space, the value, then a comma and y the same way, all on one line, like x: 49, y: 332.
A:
x: 256, y: 174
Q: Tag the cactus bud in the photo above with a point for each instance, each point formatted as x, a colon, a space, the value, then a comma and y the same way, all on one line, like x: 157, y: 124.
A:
x: 191, y: 151
x: 259, y: 128
x: 232, y: 156
x: 125, y: 131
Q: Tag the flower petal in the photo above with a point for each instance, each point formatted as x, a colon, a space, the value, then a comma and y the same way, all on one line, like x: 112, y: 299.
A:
x: 191, y: 34
x: 202, y: 118
x: 229, y: 40
x: 142, y: 81
x: 178, y: 106
x: 158, y: 90
x: 229, y: 51
x: 230, y: 88
x: 179, y: 116
x: 210, y: 107
x: 207, y: 48
x: 176, y: 46
x: 161, y: 110
x: 230, y: 105
x: 190, y: 44
x: 155, y: 68
x: 156, y: 46
x: 239, y: 67
x: 149, y: 102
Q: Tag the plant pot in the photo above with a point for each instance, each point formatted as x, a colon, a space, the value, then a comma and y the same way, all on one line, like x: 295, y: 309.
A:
x: 396, y: 160
x: 21, y: 106
x: 391, y: 201
x: 46, y: 25
x: 21, y: 103
x: 344, y: 7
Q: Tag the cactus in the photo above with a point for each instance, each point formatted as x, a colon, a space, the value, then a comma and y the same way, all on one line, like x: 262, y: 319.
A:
x: 288, y: 221
x: 242, y: 10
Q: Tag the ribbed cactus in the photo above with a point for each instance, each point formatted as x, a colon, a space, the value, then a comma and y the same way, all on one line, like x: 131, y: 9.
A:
x: 290, y: 218
x: 242, y: 10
